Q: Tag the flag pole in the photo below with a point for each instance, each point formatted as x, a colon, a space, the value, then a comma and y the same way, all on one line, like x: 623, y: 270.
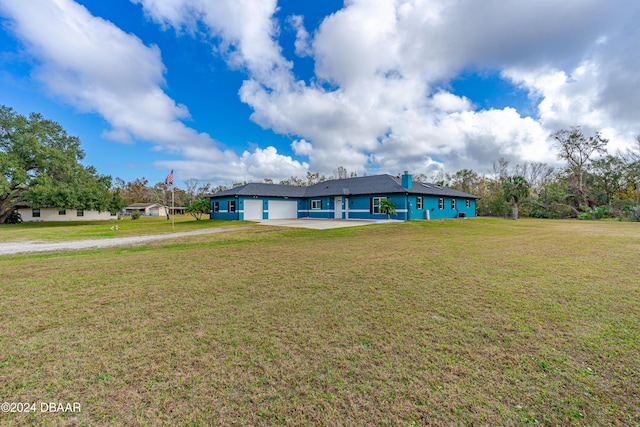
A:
x: 173, y: 208
x: 169, y: 180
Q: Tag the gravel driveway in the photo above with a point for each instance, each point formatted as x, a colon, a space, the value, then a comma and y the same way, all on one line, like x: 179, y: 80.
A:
x: 11, y: 248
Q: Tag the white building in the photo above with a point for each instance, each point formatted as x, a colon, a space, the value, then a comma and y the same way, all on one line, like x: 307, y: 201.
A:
x: 146, y: 209
x: 53, y: 214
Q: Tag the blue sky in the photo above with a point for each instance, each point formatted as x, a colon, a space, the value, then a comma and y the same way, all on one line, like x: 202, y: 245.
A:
x: 229, y: 90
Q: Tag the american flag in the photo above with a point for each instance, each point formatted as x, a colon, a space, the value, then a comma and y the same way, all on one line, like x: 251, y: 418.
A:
x: 169, y: 178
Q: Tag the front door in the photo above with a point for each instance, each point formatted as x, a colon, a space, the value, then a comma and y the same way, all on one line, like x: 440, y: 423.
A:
x: 337, y: 207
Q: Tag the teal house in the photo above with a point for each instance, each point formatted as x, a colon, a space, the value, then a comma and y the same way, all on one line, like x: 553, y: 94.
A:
x: 350, y: 198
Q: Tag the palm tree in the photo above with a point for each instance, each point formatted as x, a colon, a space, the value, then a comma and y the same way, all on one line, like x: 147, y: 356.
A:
x: 198, y: 208
x: 515, y: 188
x: 387, y: 206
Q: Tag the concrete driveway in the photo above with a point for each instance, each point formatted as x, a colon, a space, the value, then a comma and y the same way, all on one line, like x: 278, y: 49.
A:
x: 320, y: 224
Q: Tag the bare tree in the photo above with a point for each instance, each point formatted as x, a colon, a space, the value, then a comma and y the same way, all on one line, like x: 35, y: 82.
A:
x: 438, y: 177
x: 314, y: 178
x: 577, y: 150
x: 420, y: 178
x: 190, y: 187
x: 163, y: 196
x: 340, y: 173
x: 631, y: 155
x: 501, y: 169
x: 535, y: 173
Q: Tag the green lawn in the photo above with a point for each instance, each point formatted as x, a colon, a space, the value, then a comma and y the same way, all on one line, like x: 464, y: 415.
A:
x: 77, y: 230
x: 476, y: 322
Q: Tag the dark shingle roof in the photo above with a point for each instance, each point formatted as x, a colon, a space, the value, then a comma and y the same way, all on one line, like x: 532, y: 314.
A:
x: 263, y: 190
x: 430, y: 189
x: 374, y: 184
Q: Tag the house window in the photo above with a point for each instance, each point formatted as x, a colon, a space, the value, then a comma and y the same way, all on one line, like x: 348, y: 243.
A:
x: 216, y: 206
x: 62, y: 212
x: 441, y: 203
x: 316, y: 204
x: 453, y: 204
x: 35, y: 213
x: 80, y: 212
x: 232, y: 205
x: 468, y: 203
x: 375, y: 205
x: 419, y: 204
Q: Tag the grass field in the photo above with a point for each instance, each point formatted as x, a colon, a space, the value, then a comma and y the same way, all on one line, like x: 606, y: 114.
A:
x: 477, y: 322
x: 78, y: 230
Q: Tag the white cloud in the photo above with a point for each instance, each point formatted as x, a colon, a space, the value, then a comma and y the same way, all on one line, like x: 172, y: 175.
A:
x: 96, y: 67
x: 227, y: 167
x: 379, y: 96
x: 387, y: 62
x: 302, y: 147
x: 93, y: 65
x: 248, y: 25
x: 268, y: 163
x: 596, y: 93
x: 302, y: 47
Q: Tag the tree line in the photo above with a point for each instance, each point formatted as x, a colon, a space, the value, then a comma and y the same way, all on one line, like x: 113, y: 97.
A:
x: 591, y: 183
x: 192, y: 197
x: 40, y: 166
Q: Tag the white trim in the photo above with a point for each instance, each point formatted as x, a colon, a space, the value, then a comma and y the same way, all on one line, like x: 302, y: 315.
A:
x: 373, y: 206
x: 367, y: 211
x: 316, y: 210
x: 337, y: 207
x: 346, y: 208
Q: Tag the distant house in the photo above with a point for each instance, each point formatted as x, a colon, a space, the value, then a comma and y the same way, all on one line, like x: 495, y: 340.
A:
x: 146, y: 209
x: 29, y: 214
x: 350, y: 198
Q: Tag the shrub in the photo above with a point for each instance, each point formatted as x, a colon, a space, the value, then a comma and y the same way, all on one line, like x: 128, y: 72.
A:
x: 135, y: 214
x: 198, y: 208
x: 14, y: 218
x: 598, y: 212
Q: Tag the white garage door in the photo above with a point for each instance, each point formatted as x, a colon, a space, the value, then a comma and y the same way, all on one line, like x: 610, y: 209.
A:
x: 252, y: 210
x: 281, y: 209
